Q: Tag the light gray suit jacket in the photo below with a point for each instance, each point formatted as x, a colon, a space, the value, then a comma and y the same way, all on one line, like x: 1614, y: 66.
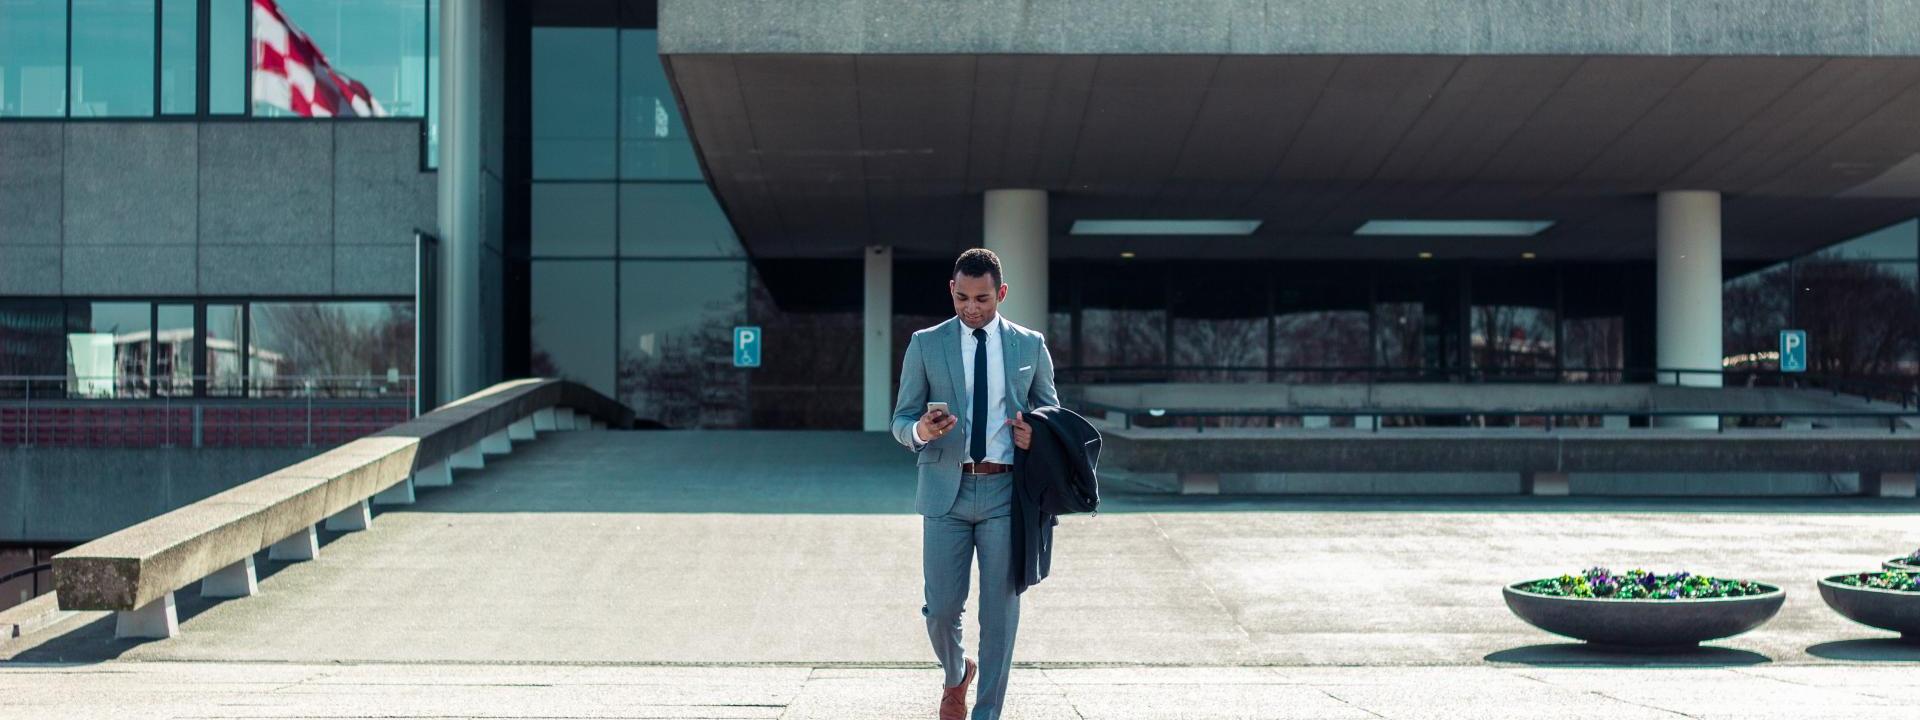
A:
x: 932, y: 372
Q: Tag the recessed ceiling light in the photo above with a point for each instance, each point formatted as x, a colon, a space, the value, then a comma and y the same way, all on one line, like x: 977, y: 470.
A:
x: 1426, y: 256
x: 1454, y: 228
x: 1126, y: 255
x: 1164, y: 227
x: 1526, y: 256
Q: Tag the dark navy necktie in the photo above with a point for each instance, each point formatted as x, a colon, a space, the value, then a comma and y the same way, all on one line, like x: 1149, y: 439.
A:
x: 977, y: 445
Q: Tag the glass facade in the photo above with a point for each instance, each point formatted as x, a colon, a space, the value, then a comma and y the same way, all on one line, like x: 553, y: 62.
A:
x: 142, y: 58
x: 1858, y: 301
x: 636, y: 280
x: 136, y: 349
x: 33, y: 58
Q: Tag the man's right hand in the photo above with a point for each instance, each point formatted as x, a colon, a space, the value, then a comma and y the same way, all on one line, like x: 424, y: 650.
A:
x: 935, y: 423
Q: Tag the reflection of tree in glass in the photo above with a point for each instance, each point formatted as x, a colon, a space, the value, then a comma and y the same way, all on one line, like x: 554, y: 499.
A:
x: 686, y: 379
x: 1593, y: 347
x: 1512, y: 338
x: 1755, y: 310
x: 1321, y: 339
x: 814, y: 380
x: 1220, y: 342
x: 357, y: 347
x: 1862, y: 320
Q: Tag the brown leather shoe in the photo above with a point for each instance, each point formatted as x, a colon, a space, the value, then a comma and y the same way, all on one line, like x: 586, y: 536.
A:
x: 953, y: 700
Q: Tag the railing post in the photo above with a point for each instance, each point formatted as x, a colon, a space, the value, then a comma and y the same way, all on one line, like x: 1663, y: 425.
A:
x: 27, y: 439
x: 166, y: 422
x: 309, y: 388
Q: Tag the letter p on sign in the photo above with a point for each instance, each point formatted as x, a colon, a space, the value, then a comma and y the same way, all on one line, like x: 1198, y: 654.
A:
x: 746, y: 346
x: 1793, y: 351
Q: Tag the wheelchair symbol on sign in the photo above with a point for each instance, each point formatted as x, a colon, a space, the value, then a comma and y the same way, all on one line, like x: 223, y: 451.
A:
x: 746, y: 346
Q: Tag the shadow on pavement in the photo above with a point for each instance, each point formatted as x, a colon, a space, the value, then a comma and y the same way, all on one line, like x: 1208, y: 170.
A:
x: 1868, y: 650
x: 93, y: 641
x: 1584, y: 655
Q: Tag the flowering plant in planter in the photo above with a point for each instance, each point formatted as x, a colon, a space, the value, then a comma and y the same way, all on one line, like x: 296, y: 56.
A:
x: 1891, y: 580
x: 1904, y: 564
x: 1601, y: 583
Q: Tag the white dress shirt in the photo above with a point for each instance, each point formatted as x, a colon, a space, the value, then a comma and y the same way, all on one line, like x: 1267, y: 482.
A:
x: 999, y: 433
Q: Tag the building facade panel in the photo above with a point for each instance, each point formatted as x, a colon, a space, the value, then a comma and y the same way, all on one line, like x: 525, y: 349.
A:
x: 266, y: 183
x: 130, y: 183
x: 30, y: 167
x: 266, y: 270
x: 127, y: 269
x: 380, y: 194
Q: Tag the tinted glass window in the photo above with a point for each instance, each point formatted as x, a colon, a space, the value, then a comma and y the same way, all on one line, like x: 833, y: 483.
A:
x: 33, y: 58
x: 574, y: 102
x: 381, y: 43
x: 179, y: 56
x: 653, y: 138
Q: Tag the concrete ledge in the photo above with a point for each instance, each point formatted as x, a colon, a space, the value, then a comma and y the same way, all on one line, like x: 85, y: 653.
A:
x: 1543, y: 459
x: 20, y: 620
x: 136, y: 567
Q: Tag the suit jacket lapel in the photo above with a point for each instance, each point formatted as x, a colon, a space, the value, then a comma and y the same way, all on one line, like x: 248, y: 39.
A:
x: 950, y: 349
x: 1009, y: 354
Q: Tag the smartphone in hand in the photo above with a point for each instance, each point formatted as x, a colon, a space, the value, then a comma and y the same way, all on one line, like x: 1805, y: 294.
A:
x: 938, y: 407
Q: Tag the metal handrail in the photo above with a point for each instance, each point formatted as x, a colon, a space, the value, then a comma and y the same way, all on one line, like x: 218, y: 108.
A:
x: 1720, y: 415
x: 324, y: 393
x: 23, y: 572
x: 1909, y: 396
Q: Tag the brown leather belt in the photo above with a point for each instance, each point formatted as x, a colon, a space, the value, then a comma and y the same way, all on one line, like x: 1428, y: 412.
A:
x: 984, y: 468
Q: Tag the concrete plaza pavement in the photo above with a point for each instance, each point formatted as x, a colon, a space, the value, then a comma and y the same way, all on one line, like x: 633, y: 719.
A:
x: 780, y: 572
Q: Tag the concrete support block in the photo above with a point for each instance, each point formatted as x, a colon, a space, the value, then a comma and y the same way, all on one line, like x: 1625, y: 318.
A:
x: 543, y: 420
x: 233, y: 581
x: 400, y: 494
x: 156, y: 621
x: 1546, y: 484
x: 303, y: 545
x: 1366, y: 422
x: 1888, y: 484
x: 1614, y: 422
x: 598, y: 425
x: 1796, y: 423
x: 1199, y: 483
x: 496, y: 443
x: 439, y: 474
x: 564, y: 419
x: 1316, y: 421
x: 521, y: 430
x: 469, y: 458
x: 356, y: 518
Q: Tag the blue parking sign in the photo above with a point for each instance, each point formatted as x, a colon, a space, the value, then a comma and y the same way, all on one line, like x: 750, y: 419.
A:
x: 1793, y: 351
x: 746, y: 346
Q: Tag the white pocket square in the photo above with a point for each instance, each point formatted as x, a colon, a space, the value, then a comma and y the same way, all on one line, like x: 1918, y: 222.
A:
x: 1024, y: 368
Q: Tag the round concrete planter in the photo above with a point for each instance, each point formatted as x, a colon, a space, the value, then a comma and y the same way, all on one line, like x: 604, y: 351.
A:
x: 1644, y: 624
x: 1901, y: 564
x: 1885, y: 609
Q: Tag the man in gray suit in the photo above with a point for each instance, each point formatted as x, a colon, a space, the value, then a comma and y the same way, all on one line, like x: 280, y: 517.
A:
x: 987, y: 371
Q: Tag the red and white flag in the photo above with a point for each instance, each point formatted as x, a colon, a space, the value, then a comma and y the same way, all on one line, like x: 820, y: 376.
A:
x: 290, y: 73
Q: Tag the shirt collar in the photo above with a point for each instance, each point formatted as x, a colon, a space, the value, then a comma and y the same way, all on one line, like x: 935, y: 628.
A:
x: 992, y: 327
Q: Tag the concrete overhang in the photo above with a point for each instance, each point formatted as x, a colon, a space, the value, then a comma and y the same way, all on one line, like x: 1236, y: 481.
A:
x: 825, y: 126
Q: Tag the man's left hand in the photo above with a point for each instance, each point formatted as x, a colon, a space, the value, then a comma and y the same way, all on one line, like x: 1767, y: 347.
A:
x: 1022, y: 432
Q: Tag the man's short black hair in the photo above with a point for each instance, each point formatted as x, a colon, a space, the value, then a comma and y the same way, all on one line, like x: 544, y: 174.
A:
x: 979, y: 262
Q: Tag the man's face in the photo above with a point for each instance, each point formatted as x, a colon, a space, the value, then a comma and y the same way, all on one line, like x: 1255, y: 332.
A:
x: 975, y: 299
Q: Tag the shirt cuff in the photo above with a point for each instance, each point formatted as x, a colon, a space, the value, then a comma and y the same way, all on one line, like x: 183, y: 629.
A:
x: 917, y: 442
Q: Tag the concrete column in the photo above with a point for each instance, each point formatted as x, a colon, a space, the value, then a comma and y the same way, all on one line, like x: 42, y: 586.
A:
x: 496, y: 443
x: 876, y: 342
x: 521, y: 429
x: 461, y: 211
x: 400, y: 494
x: 356, y: 517
x: 1687, y: 292
x: 157, y: 620
x: 1016, y: 230
x: 1552, y: 484
x: 469, y: 458
x: 302, y: 545
x: 1199, y: 483
x: 439, y: 474
x: 1888, y: 484
x: 233, y: 581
